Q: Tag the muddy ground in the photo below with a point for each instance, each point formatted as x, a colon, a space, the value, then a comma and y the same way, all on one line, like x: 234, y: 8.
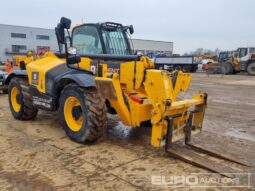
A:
x: 37, y: 155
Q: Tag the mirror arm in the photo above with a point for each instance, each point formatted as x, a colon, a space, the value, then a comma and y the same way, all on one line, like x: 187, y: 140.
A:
x: 69, y: 36
x: 66, y: 48
x: 59, y: 47
x: 66, y: 51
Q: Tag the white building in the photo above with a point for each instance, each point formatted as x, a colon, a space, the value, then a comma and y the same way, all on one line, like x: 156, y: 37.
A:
x: 16, y: 40
x: 147, y: 46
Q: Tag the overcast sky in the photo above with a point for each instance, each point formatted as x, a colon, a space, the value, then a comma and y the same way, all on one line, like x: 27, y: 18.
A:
x: 190, y: 24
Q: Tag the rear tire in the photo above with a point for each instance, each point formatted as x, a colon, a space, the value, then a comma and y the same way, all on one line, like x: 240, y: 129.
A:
x: 21, y: 103
x: 251, y: 69
x: 194, y: 69
x: 82, y: 113
x: 186, y: 69
x: 178, y: 68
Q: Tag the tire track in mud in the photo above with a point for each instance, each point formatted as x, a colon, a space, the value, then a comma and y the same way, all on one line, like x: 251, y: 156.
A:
x: 4, y: 184
x: 74, y: 171
x: 23, y: 181
x: 17, y: 179
x: 64, y: 170
x: 33, y: 156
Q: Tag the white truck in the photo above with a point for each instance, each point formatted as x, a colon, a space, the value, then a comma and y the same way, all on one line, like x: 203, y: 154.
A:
x: 184, y: 63
x: 246, y: 58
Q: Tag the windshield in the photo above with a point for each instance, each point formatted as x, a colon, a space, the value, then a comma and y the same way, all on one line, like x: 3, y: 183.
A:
x: 115, y: 42
x: 225, y: 55
x: 252, y: 50
x: 86, y: 40
x: 242, y: 52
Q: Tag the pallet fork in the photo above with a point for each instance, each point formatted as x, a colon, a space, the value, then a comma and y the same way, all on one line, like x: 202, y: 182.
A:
x: 186, y: 153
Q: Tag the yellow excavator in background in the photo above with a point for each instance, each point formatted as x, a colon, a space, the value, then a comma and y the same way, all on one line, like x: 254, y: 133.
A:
x: 95, y: 71
x: 21, y: 61
x: 17, y: 59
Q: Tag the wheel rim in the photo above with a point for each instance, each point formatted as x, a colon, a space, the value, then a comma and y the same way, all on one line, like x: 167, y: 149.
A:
x: 15, y: 99
x: 73, y: 113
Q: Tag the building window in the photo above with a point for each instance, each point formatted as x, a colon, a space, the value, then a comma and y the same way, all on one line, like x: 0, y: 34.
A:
x: 42, y: 37
x: 19, y: 48
x: 18, y: 35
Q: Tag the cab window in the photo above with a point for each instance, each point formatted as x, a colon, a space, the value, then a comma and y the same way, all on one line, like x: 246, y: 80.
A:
x: 223, y: 55
x: 252, y: 50
x: 86, y: 40
x: 242, y: 52
x: 115, y: 42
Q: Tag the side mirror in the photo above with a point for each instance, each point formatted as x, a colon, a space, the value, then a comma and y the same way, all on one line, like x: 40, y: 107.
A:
x: 73, y: 59
x: 131, y: 29
x: 60, y: 29
x: 65, y: 23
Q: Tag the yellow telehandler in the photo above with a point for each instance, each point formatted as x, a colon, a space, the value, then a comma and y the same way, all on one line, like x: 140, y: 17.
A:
x: 95, y: 71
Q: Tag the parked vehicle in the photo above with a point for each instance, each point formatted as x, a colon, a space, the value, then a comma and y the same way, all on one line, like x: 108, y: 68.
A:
x: 228, y: 59
x: 246, y: 58
x: 184, y: 63
x: 227, y: 63
x: 3, y: 76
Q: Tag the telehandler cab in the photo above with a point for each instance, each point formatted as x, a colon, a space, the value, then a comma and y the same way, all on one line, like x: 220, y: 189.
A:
x: 95, y: 71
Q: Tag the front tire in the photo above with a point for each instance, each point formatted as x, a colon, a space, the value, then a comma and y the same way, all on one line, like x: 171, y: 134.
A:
x: 251, y: 69
x: 228, y: 68
x: 20, y: 100
x: 82, y: 113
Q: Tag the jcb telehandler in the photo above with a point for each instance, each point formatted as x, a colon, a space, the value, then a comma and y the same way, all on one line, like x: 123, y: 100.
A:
x: 96, y: 72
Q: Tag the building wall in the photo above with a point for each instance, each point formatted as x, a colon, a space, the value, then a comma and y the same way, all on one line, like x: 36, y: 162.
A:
x: 147, y: 46
x: 31, y: 41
